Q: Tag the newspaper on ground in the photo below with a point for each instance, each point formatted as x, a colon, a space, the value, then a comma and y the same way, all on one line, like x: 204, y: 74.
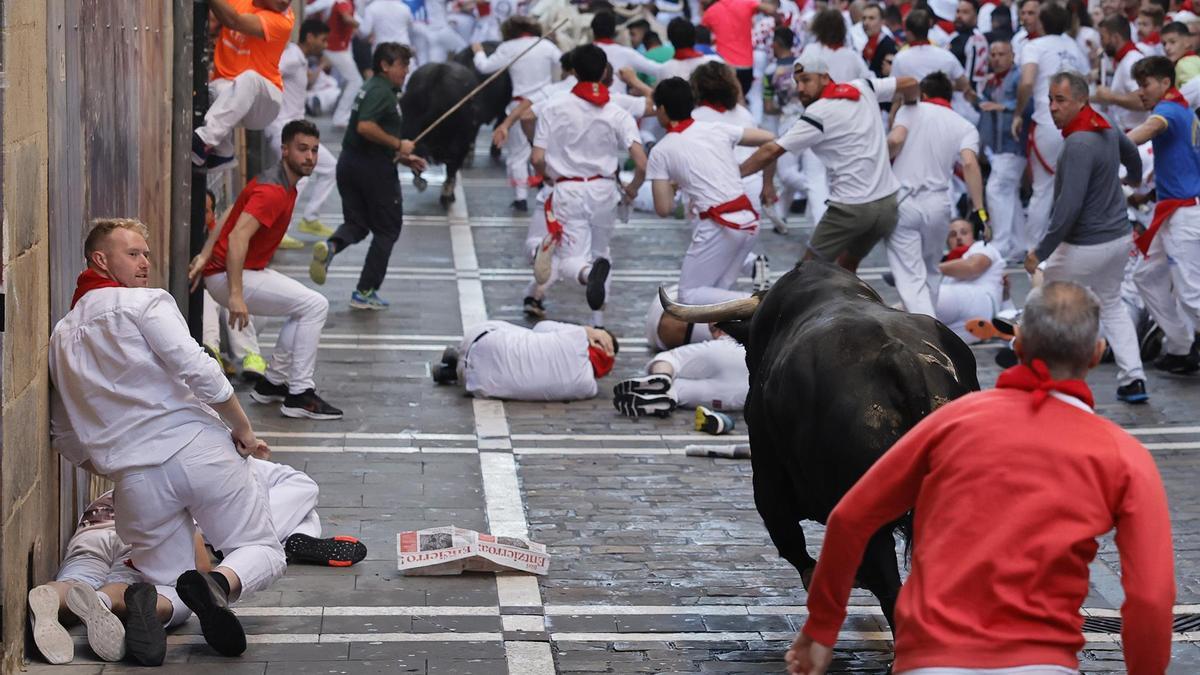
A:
x: 454, y: 550
x: 739, y: 451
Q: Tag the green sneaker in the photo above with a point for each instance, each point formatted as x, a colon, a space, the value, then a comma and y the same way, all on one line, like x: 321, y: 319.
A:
x: 315, y: 227
x: 253, y: 365
x: 318, y: 269
x: 216, y: 354
x: 290, y: 243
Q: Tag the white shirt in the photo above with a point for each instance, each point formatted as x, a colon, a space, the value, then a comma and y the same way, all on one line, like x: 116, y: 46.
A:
x: 293, y: 68
x: 563, y: 86
x: 741, y: 117
x: 845, y: 64
x: 634, y: 105
x: 388, y: 21
x: 548, y: 363
x: 435, y: 13
x: 922, y: 60
x: 992, y: 279
x: 1151, y: 49
x: 1123, y: 83
x: 936, y: 137
x: 848, y: 138
x: 1051, y: 54
x: 1019, y: 40
x: 582, y: 140
x: 534, y: 71
x: 654, y: 313
x: 701, y: 162
x: 620, y: 56
x: 131, y: 383
x: 684, y: 67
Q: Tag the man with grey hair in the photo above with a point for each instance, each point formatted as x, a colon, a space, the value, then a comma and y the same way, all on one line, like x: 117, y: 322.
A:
x: 1089, y: 238
x: 999, y: 462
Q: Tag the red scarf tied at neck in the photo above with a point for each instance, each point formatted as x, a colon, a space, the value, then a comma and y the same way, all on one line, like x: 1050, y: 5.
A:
x: 938, y: 101
x: 868, y: 52
x: 602, y: 364
x: 605, y: 41
x: 846, y: 91
x: 90, y: 280
x: 716, y: 106
x: 1173, y: 95
x: 592, y: 92
x: 1035, y: 378
x: 1124, y: 50
x: 685, y: 53
x: 957, y: 252
x: 680, y: 127
x: 1153, y: 38
x: 1087, y: 120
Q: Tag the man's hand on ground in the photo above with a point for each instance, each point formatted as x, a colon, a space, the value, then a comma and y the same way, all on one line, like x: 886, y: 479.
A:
x: 239, y: 315
x: 808, y: 657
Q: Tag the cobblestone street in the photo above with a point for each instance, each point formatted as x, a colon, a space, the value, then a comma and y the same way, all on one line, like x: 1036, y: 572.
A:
x: 660, y: 563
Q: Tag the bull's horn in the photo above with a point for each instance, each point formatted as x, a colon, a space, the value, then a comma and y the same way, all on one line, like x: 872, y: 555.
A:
x: 732, y: 310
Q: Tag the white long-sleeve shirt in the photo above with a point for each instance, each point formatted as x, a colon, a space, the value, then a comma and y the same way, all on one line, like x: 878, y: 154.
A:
x: 620, y: 56
x: 132, y: 384
x: 534, y: 71
x: 388, y: 21
x: 548, y: 363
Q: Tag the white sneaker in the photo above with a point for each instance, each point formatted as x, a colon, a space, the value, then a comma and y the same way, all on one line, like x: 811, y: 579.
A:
x: 105, y: 632
x: 52, y: 640
x: 543, y: 260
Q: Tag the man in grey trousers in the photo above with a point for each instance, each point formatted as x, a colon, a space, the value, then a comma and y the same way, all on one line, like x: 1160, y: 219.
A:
x: 1089, y: 238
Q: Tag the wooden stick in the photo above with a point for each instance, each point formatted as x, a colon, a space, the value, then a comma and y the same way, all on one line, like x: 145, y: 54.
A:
x: 486, y: 82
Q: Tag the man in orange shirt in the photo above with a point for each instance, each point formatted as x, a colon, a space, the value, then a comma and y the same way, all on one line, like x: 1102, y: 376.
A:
x: 246, y: 88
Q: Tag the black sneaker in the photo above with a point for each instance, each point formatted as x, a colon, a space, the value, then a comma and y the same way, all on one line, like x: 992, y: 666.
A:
x: 221, y: 628
x: 1134, y: 392
x: 1179, y: 364
x: 1006, y: 358
x: 1151, y: 342
x: 446, y: 372
x: 334, y: 551
x: 647, y: 384
x: 145, y: 637
x: 520, y: 205
x: 597, y: 277
x: 265, y: 392
x: 308, y: 404
x: 534, y: 308
x: 641, y: 405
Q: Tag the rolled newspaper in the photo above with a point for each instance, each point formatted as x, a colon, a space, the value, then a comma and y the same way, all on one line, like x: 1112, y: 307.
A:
x: 740, y: 451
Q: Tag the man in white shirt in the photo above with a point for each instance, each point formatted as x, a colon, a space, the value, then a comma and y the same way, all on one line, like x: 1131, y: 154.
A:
x: 131, y: 401
x: 926, y: 141
x: 387, y: 21
x: 1031, y: 26
x: 577, y: 145
x: 552, y: 362
x: 1041, y: 59
x: 604, y: 30
x: 293, y: 67
x: 698, y: 158
x: 532, y: 73
x: 841, y: 123
x: 972, y: 279
x: 434, y: 37
x: 711, y: 374
x: 682, y: 36
x: 921, y: 57
x: 1119, y: 93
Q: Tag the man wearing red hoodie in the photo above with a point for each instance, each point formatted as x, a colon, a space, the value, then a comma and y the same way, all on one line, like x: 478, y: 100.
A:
x: 1007, y: 519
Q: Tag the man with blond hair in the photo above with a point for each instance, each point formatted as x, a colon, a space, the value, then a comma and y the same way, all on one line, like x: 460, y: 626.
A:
x: 134, y: 399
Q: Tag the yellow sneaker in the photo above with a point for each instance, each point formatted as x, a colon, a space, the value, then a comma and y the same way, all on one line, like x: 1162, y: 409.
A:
x: 315, y: 227
x: 253, y: 365
x: 290, y: 243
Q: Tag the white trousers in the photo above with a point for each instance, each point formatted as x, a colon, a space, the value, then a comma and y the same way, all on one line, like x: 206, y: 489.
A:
x: 292, y: 496
x: 714, y: 260
x: 1004, y: 205
x: 1101, y: 267
x: 269, y: 293
x: 791, y: 179
x: 816, y: 185
x: 1169, y: 279
x: 711, y: 373
x: 209, y: 482
x: 587, y: 212
x: 434, y: 45
x: 315, y: 188
x: 516, y: 159
x: 957, y: 303
x: 915, y: 247
x: 1049, y: 141
x: 248, y: 100
x: 343, y: 63
x: 241, y: 342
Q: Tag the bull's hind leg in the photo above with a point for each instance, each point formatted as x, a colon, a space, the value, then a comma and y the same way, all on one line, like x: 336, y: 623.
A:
x: 880, y: 574
x: 447, y: 197
x: 781, y: 516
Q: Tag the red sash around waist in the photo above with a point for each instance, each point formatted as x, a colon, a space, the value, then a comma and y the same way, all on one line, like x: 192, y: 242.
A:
x: 742, y: 203
x: 1162, y: 213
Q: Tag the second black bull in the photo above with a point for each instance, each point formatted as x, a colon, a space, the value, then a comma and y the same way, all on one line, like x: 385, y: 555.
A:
x: 435, y: 88
x: 836, y: 378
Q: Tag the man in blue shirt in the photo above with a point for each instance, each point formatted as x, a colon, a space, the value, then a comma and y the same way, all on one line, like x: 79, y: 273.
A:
x: 1169, y: 277
x: 1007, y: 154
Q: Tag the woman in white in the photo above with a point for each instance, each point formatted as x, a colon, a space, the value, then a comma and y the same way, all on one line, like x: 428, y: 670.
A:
x: 972, y: 280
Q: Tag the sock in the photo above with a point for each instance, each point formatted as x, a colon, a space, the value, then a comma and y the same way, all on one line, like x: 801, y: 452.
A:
x: 221, y: 581
x: 105, y: 600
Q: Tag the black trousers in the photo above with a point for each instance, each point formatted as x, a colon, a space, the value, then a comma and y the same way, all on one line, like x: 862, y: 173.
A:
x: 371, y: 204
x: 745, y: 77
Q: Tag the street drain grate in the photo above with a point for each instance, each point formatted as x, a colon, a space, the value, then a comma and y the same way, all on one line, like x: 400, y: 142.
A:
x: 1184, y: 623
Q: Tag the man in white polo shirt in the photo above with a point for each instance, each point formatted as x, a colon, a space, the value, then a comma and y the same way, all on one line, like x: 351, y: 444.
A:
x: 604, y: 29
x: 841, y: 124
x: 1041, y: 59
x: 1119, y: 92
x: 926, y: 141
x: 920, y: 57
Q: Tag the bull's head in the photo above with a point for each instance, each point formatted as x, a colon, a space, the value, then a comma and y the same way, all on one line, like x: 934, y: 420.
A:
x: 731, y: 316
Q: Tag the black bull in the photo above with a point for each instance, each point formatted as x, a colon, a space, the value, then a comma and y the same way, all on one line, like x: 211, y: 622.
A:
x: 836, y: 377
x: 433, y: 89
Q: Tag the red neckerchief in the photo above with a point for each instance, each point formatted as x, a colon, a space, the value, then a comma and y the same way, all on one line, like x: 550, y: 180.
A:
x: 868, y: 52
x: 1029, y: 35
x: 684, y: 53
x: 1035, y: 377
x: 592, y: 92
x: 680, y: 127
x: 834, y: 46
x: 484, y: 8
x: 1173, y: 95
x: 938, y: 101
x: 947, y: 26
x: 1186, y: 6
x: 997, y: 78
x: 90, y: 280
x: 957, y: 252
x: 1132, y: 14
x: 716, y: 106
x: 602, y: 364
x: 1087, y: 120
x: 918, y: 43
x: 846, y: 91
x: 1153, y: 38
x: 990, y: 2
x: 1128, y: 47
x: 605, y: 41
